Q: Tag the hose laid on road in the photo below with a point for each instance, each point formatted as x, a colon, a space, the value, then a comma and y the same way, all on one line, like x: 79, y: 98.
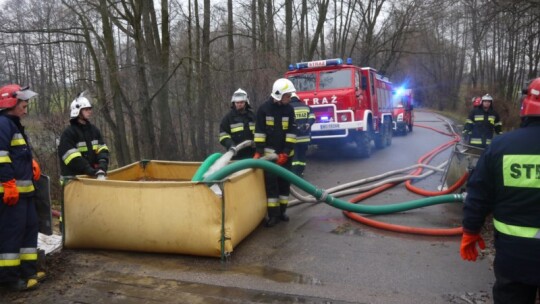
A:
x: 407, y: 229
x: 345, y: 189
x: 322, y: 195
x: 350, y: 207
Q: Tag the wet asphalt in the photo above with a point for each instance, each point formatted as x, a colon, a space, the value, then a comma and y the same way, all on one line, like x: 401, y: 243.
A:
x: 320, y: 256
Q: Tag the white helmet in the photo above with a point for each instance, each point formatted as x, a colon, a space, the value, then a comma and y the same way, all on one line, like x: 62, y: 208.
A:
x: 79, y: 103
x: 282, y: 86
x: 240, y: 95
x: 487, y: 97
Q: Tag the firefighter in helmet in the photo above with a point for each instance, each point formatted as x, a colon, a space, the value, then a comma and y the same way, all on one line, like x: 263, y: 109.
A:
x: 505, y: 184
x: 18, y: 215
x: 305, y: 118
x: 238, y: 125
x: 481, y: 123
x: 477, y: 102
x: 275, y: 132
x: 82, y: 149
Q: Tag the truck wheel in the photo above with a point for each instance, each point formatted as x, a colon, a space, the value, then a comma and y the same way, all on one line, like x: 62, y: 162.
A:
x: 389, y: 134
x: 363, y: 144
x: 380, y: 139
x: 384, y: 138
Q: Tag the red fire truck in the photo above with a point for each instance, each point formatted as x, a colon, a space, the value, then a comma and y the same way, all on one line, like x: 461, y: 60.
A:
x: 352, y: 104
x: 403, y: 111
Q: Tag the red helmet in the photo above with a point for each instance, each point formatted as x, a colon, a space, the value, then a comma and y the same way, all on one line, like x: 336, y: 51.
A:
x: 9, y: 94
x: 531, y: 103
x: 477, y: 102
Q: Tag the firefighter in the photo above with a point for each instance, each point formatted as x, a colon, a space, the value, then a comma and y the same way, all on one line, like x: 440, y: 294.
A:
x: 82, y: 149
x: 304, y: 118
x: 238, y: 125
x: 481, y: 123
x: 18, y: 215
x: 506, y: 184
x: 275, y: 132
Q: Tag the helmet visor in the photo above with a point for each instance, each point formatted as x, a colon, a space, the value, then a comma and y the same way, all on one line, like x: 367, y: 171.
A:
x: 239, y: 97
x: 25, y: 93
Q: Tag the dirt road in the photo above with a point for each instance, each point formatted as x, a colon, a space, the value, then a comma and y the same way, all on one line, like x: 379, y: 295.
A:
x: 320, y: 256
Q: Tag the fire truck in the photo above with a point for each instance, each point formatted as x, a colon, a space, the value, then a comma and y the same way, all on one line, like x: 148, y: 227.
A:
x: 352, y: 104
x: 403, y: 116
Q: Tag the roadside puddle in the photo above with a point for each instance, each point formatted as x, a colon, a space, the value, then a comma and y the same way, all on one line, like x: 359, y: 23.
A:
x: 273, y: 274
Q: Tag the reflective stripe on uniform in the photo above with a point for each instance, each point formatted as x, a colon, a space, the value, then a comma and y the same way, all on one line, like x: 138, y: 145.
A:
x: 81, y: 146
x: 70, y: 155
x: 273, y: 202
x: 95, y: 145
x: 29, y: 254
x: 260, y: 137
x: 303, y: 139
x: 285, y: 123
x: 237, y: 127
x: 291, y: 138
x: 18, y: 140
x: 4, y: 157
x: 526, y: 232
x: 23, y: 186
x: 223, y: 135
x: 479, y: 117
x: 283, y: 200
x: 9, y: 259
x: 476, y: 141
x: 102, y: 148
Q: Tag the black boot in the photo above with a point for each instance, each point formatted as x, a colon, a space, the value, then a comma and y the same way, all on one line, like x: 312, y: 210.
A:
x: 272, y: 221
x: 284, y: 217
x: 23, y: 285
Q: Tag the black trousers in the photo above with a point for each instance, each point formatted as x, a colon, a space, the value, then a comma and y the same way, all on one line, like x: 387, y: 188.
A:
x: 299, y: 160
x: 506, y: 291
x: 277, y: 189
x: 18, y: 240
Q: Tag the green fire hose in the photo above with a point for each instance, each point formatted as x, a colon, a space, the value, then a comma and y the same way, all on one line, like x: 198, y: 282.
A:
x: 321, y: 195
x: 208, y: 162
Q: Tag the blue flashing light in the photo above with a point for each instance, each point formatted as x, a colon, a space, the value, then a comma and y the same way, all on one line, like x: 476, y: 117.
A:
x: 291, y: 67
x: 400, y: 91
x: 325, y: 119
x: 349, y: 60
x: 318, y: 63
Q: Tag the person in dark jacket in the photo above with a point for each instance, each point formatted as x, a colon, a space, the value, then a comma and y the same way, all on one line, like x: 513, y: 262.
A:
x: 275, y: 132
x: 238, y: 125
x: 481, y: 123
x: 305, y: 118
x: 82, y: 149
x: 18, y: 215
x: 506, y: 184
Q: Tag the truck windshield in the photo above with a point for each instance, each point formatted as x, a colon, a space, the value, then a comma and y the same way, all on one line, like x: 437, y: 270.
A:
x: 304, y: 82
x: 335, y: 79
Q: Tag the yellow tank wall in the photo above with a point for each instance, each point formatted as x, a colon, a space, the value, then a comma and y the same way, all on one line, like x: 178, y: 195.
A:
x: 143, y: 208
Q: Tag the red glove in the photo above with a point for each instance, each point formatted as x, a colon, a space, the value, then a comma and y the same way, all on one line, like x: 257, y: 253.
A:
x: 282, y: 159
x: 468, y: 246
x: 11, y: 194
x: 257, y: 155
x: 36, y: 169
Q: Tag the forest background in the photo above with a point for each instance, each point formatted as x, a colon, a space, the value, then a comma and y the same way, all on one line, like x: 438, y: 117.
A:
x: 162, y: 72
